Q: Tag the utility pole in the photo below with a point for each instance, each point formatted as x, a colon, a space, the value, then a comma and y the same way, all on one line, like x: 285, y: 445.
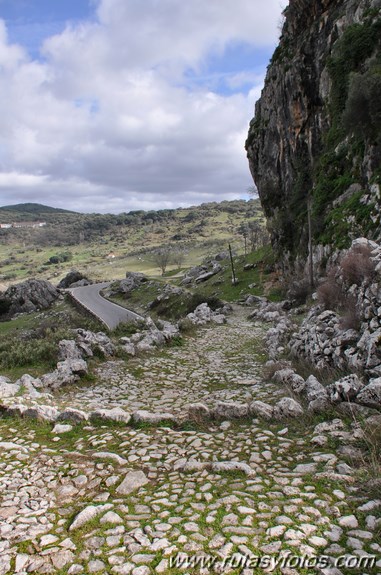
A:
x: 232, y: 263
x: 309, y: 203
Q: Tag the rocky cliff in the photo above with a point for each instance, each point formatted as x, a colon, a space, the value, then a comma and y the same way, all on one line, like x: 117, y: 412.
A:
x: 316, y: 135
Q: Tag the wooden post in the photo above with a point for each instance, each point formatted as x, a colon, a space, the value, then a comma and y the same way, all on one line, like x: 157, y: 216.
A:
x: 232, y: 263
x: 310, y: 242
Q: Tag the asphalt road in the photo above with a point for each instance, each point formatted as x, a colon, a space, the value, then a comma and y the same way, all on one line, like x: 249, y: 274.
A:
x: 110, y: 313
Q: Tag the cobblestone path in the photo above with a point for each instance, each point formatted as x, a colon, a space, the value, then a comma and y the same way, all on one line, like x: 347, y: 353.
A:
x: 114, y: 499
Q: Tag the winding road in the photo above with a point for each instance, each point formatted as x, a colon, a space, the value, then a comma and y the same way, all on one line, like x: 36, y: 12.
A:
x: 108, y: 312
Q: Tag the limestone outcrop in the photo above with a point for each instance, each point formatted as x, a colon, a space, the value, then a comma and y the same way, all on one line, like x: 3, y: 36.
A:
x: 29, y: 296
x: 316, y: 130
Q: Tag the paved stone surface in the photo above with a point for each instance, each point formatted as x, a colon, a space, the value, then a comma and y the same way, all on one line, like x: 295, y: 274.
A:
x: 244, y: 487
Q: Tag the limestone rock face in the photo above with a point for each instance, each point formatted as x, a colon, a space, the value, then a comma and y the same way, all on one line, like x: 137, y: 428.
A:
x: 288, y: 134
x: 31, y: 295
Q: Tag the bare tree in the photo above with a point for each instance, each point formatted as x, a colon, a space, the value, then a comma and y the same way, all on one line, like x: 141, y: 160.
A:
x: 162, y: 257
x: 178, y: 256
x: 243, y: 230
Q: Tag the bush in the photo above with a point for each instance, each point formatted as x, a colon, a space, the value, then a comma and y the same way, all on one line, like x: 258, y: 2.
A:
x: 5, y: 305
x: 351, y: 318
x: 330, y: 293
x: 357, y: 266
x: 362, y: 114
x: 299, y: 291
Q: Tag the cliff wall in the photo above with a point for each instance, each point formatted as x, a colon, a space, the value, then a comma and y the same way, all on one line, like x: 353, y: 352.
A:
x: 316, y: 135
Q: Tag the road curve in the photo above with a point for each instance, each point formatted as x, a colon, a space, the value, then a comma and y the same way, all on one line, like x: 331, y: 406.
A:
x: 109, y: 313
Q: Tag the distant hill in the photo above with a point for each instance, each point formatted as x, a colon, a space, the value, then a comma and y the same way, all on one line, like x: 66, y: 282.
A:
x: 143, y: 229
x: 35, y: 209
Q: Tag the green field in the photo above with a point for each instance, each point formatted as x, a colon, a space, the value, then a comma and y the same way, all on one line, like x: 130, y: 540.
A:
x: 89, y: 241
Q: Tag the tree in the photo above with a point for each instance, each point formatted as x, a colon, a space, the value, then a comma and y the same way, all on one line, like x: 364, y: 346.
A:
x: 178, y: 256
x: 162, y: 257
x: 243, y: 230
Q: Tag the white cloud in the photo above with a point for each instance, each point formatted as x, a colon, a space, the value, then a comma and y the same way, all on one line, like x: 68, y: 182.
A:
x: 107, y: 120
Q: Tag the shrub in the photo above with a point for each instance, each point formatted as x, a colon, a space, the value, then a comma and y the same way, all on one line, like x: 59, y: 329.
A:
x: 5, y: 305
x: 299, y: 291
x: 330, y: 293
x: 351, y: 318
x: 357, y: 266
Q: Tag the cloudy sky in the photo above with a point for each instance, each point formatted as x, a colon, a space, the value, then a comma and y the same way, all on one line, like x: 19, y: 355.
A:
x: 117, y: 105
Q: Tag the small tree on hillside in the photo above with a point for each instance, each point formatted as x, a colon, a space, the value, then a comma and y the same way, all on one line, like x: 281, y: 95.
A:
x: 178, y: 256
x: 162, y: 257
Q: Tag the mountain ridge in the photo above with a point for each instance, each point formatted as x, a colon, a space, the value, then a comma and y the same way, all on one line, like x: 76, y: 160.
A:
x: 34, y: 208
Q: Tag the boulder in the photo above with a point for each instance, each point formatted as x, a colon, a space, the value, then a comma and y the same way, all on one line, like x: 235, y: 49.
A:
x: 329, y: 426
x: 128, y: 347
x: 31, y: 295
x: 61, y: 428
x: 229, y: 410
x: 59, y: 377
x: 346, y: 389
x: 287, y: 407
x: 314, y: 389
x: 15, y: 409
x: 261, y: 409
x: 288, y: 377
x: 203, y: 314
x: 68, y: 349
x: 143, y: 416
x: 370, y: 395
x: 133, y: 280
x: 95, y: 342
x: 232, y: 466
x: 72, y: 279
x: 116, y: 414
x: 198, y: 411
x: 204, y: 277
x: 192, y: 465
x: 8, y: 389
x: 354, y: 410
x: 73, y: 415
x: 319, y: 405
x: 369, y: 344
x: 28, y: 381
x: 28, y: 385
x: 41, y: 412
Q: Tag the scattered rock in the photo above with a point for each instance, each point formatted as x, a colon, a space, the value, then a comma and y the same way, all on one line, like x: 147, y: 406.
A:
x: 41, y: 412
x: 57, y: 429
x: 76, y: 416
x: 198, y: 411
x: 370, y: 395
x: 287, y: 407
x: 143, y: 416
x: 346, y: 389
x: 229, y: 410
x: 261, y: 409
x: 116, y: 414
